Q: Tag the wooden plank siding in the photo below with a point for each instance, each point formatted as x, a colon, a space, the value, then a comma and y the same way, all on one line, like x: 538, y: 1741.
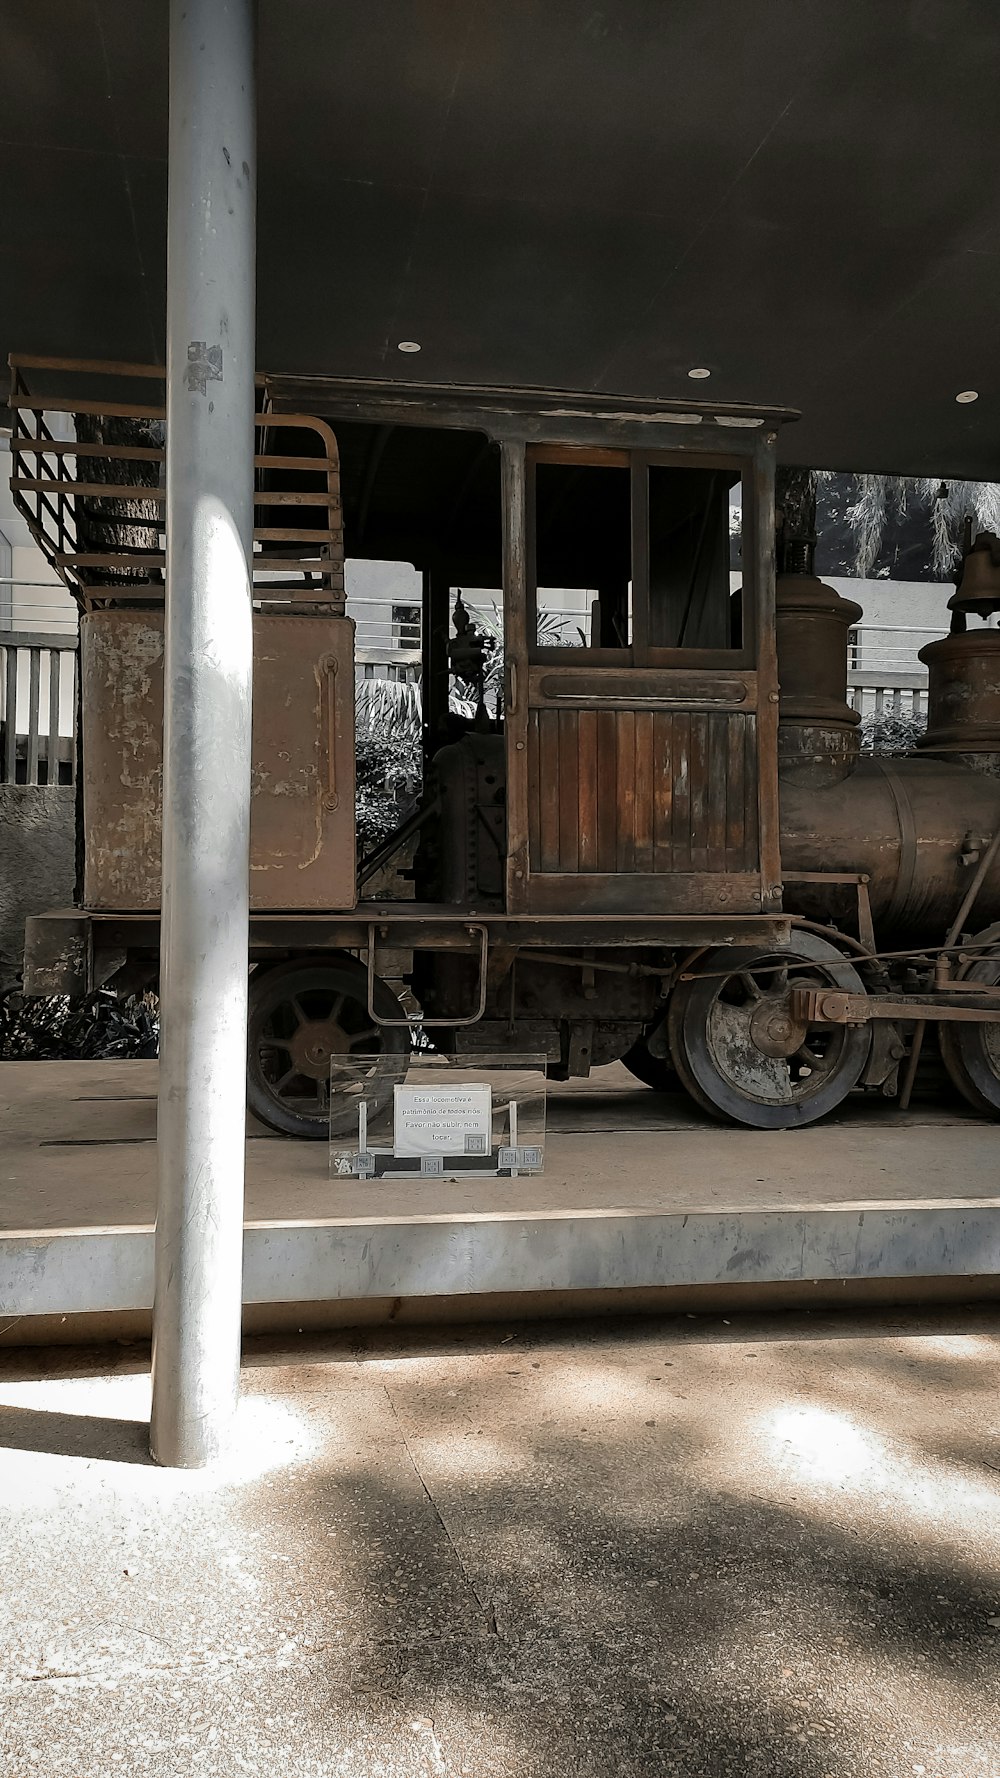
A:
x: 641, y: 792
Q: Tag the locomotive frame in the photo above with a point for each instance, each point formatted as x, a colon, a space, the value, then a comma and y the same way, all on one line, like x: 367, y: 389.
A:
x: 640, y: 842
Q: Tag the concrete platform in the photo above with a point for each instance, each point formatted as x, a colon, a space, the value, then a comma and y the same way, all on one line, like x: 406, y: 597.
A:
x: 640, y: 1194
x: 661, y: 1549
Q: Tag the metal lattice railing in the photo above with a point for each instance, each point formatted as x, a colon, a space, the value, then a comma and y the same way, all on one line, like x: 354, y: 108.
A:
x: 89, y: 469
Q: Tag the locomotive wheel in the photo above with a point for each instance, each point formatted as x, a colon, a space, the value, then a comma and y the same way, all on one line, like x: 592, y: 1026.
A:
x: 304, y: 1015
x: 971, y: 1053
x: 740, y: 1053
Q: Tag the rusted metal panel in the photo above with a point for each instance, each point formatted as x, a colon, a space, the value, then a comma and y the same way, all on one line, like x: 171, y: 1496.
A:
x: 434, y: 925
x: 302, y: 836
x: 908, y: 829
x: 302, y: 845
x: 121, y: 673
x: 58, y: 954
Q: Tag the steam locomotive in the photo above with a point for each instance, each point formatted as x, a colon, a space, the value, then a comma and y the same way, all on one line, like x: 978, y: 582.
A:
x: 662, y: 844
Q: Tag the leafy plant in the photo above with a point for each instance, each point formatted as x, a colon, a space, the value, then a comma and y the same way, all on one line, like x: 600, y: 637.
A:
x: 886, y: 732
x: 58, y: 1029
x: 388, y: 714
x: 388, y: 756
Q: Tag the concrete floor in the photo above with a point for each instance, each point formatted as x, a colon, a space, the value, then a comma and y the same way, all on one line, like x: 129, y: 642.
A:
x: 79, y: 1152
x: 687, y: 1547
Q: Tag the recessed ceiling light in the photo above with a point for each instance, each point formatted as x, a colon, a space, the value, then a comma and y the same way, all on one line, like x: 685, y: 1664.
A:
x: 968, y: 395
x: 409, y: 346
x: 699, y: 371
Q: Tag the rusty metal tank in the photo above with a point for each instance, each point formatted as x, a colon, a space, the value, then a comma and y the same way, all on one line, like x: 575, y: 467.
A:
x: 915, y: 826
x: 963, y: 668
x: 817, y: 730
x: 963, y: 698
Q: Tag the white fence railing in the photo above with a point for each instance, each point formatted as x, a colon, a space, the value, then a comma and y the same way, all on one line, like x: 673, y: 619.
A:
x: 904, y: 694
x: 38, y: 709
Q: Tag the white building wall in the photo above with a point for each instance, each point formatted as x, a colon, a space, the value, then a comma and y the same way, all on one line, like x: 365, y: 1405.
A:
x: 898, y: 618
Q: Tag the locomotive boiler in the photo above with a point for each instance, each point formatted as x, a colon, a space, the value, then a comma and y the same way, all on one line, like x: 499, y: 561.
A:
x: 650, y: 836
x: 912, y: 826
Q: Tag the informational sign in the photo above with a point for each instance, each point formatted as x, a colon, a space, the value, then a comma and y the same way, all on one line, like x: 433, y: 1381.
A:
x: 440, y: 1121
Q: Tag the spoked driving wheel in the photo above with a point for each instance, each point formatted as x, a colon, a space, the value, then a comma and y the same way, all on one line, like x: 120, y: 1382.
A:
x: 740, y: 1051
x: 304, y: 1015
x: 971, y: 1052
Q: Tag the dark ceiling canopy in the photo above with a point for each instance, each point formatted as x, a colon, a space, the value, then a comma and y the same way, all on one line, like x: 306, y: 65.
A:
x: 801, y: 196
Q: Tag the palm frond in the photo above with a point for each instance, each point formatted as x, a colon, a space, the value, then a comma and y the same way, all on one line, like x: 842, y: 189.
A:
x: 951, y: 503
x: 387, y: 708
x: 867, y: 515
x: 947, y: 505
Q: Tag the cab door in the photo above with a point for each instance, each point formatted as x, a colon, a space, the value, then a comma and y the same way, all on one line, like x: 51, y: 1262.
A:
x: 642, y: 694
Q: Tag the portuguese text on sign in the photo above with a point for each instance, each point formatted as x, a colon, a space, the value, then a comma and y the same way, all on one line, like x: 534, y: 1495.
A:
x: 443, y: 1120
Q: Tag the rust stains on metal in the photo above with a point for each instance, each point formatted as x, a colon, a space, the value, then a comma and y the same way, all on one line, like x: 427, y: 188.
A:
x: 293, y: 864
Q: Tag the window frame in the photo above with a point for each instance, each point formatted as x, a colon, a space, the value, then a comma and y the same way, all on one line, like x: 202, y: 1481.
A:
x: 639, y: 653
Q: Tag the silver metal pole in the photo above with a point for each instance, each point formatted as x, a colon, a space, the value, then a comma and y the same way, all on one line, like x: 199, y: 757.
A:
x: 206, y: 758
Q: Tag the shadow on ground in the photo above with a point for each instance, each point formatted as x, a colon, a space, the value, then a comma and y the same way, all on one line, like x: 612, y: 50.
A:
x: 655, y: 1549
x: 90, y: 1436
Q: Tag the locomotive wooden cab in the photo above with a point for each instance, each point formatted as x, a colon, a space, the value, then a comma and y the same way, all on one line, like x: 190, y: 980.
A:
x: 619, y: 850
x: 641, y: 764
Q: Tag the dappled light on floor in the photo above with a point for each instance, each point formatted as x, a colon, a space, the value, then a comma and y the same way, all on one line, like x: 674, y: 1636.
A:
x: 823, y: 1447
x: 660, y: 1549
x: 815, y: 1446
